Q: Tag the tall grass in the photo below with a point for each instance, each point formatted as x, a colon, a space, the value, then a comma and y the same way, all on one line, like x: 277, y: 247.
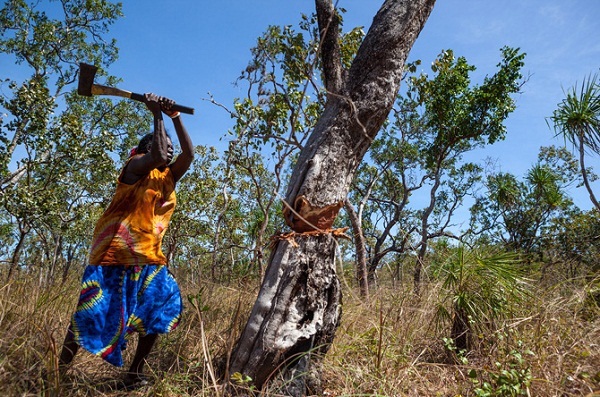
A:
x: 389, y: 346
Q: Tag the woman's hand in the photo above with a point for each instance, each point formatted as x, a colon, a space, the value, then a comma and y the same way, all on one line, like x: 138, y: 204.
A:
x: 166, y: 104
x: 153, y: 104
x: 157, y: 104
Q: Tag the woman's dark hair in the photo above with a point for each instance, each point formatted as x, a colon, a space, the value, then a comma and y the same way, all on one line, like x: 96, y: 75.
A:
x: 145, y: 144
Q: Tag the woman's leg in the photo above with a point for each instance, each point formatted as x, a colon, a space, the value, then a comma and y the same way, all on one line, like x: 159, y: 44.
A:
x: 145, y: 344
x: 68, y: 352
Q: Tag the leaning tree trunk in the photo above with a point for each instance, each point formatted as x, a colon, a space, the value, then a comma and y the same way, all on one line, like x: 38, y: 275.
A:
x: 586, y: 181
x: 298, y: 309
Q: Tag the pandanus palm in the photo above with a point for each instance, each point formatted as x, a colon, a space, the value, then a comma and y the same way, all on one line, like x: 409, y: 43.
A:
x: 479, y: 289
x: 577, y: 119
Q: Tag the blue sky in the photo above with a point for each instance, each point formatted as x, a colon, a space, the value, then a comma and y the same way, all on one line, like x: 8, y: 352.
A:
x: 188, y: 49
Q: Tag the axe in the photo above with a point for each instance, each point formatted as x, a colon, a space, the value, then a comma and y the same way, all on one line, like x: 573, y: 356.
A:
x: 86, y: 87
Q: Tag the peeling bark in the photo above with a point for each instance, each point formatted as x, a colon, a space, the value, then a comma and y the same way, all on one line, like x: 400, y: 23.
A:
x: 296, y: 314
x: 298, y: 309
x: 306, y: 218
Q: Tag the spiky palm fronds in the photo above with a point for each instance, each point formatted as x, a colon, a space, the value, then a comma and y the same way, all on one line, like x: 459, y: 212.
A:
x: 577, y: 117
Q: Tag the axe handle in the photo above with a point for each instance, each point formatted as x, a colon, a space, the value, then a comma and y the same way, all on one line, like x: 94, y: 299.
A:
x: 182, y: 109
x: 176, y: 106
x: 104, y: 90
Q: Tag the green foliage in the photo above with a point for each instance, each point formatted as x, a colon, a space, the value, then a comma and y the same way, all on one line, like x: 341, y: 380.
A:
x: 577, y: 119
x: 572, y: 240
x: 189, y: 237
x: 478, y: 289
x: 285, y: 95
x: 349, y: 44
x: 279, y: 110
x: 463, y: 116
x: 436, y: 121
x: 516, y: 213
x: 272, y: 123
x: 240, y: 379
x: 510, y: 378
x: 57, y: 149
x: 54, y: 47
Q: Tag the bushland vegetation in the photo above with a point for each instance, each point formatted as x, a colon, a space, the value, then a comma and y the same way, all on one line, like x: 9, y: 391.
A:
x: 501, y: 302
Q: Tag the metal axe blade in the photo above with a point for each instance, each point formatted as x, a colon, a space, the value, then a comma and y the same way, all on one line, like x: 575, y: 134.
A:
x: 86, y: 79
x: 86, y: 87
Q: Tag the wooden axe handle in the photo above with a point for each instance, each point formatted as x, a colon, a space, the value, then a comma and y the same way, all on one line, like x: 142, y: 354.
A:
x: 104, y: 90
x: 183, y: 109
x: 176, y: 106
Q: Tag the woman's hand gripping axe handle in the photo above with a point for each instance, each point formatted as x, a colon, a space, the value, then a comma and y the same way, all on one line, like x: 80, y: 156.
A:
x: 86, y: 87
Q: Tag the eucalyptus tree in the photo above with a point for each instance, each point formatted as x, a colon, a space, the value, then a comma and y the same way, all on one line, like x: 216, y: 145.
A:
x: 247, y: 214
x: 188, y: 244
x: 382, y: 190
x: 571, y: 245
x: 57, y: 149
x: 577, y: 119
x: 294, y: 319
x: 273, y: 122
x: 258, y: 191
x: 515, y: 212
x: 438, y: 120
x: 50, y: 50
x: 5, y: 235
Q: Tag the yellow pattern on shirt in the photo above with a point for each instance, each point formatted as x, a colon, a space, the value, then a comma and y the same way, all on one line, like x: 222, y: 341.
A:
x: 131, y: 230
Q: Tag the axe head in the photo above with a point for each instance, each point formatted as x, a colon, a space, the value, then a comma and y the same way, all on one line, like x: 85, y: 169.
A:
x: 86, y: 79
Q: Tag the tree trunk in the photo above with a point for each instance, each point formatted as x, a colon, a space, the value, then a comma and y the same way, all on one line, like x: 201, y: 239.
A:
x: 14, y: 262
x: 419, y: 263
x: 216, y: 239
x: 418, y: 272
x: 461, y: 329
x: 585, y: 175
x: 70, y: 255
x: 361, y: 255
x: 56, y: 255
x: 296, y: 314
x: 258, y: 244
x: 298, y: 308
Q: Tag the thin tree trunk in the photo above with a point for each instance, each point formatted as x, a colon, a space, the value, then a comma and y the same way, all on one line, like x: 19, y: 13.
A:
x: 417, y: 278
x: 361, y: 253
x: 56, y: 255
x: 418, y: 272
x: 584, y: 174
x: 17, y: 252
x: 70, y: 254
x: 216, y: 239
x: 297, y: 312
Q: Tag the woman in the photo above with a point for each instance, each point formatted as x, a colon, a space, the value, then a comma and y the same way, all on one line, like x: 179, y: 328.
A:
x: 127, y: 287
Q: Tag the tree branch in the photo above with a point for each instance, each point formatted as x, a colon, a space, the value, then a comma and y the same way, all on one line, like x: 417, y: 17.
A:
x: 329, y: 30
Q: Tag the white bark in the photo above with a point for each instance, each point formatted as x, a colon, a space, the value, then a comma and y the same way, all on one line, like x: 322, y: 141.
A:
x: 299, y: 305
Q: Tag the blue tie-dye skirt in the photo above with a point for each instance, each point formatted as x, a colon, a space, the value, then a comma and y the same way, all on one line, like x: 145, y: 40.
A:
x: 116, y: 301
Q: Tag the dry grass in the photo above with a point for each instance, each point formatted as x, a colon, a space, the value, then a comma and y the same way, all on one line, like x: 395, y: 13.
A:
x: 392, y: 347
x: 387, y: 347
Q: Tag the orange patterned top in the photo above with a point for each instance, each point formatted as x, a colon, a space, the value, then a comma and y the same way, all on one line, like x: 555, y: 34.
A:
x: 131, y: 230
